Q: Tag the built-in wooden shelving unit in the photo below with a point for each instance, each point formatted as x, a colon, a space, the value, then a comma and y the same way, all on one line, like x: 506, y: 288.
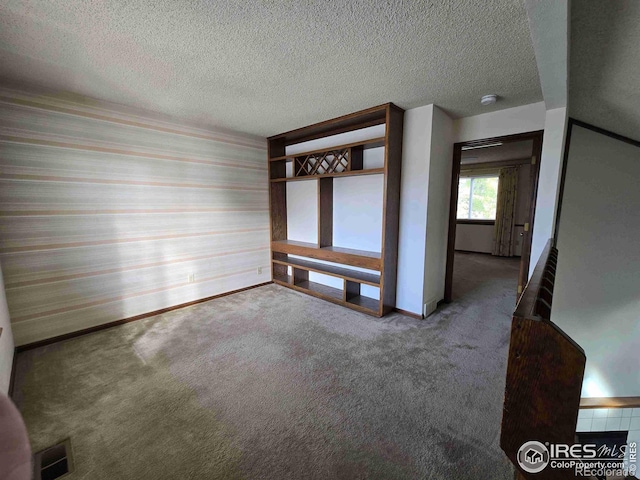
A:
x: 322, y: 166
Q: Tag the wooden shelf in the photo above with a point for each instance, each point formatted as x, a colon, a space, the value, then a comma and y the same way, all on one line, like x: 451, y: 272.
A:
x: 323, y: 165
x: 333, y: 295
x: 346, y: 256
x: 320, y: 289
x: 352, y: 173
x: 353, y: 121
x: 345, y: 273
x: 365, y: 144
x: 283, y: 278
x: 365, y: 302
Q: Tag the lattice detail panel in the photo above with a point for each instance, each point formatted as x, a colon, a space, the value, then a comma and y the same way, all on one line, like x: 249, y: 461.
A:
x: 332, y: 161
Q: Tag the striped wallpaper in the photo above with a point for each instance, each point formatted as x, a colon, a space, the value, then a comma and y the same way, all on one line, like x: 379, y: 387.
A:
x: 107, y: 214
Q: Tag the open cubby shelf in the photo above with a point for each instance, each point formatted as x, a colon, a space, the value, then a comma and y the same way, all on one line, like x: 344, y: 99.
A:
x: 340, y: 272
x: 322, y: 166
x: 364, y: 302
x: 346, y: 256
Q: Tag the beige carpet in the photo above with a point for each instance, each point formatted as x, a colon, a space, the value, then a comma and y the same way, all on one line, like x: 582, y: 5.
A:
x: 273, y: 384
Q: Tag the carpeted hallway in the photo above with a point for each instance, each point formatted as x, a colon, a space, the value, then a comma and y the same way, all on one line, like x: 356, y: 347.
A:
x: 273, y: 384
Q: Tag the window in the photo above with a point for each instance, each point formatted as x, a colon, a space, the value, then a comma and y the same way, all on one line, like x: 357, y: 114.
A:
x: 477, y: 198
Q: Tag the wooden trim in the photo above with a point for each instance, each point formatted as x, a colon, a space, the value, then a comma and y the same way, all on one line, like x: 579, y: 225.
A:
x: 346, y: 256
x: 408, y: 313
x: 527, y: 238
x: 498, y: 164
x: 312, y: 288
x: 602, y: 131
x: 545, y: 369
x: 115, y: 323
x: 518, y: 137
x: 352, y: 121
x: 366, y: 144
x: 610, y: 402
x: 325, y: 212
x: 12, y: 378
x: 563, y: 176
x: 453, y: 222
x: 470, y: 221
x: 352, y: 173
x: 331, y: 270
x: 384, y: 261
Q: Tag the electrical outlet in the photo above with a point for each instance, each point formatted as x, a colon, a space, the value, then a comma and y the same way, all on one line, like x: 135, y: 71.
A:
x: 192, y: 278
x: 259, y: 270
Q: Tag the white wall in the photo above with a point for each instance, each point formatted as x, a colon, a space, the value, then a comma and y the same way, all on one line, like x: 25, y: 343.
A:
x: 416, y: 149
x: 6, y: 341
x: 555, y: 127
x: 438, y: 197
x: 597, y: 294
x: 302, y: 211
x: 474, y: 238
x: 526, y: 118
x: 357, y: 212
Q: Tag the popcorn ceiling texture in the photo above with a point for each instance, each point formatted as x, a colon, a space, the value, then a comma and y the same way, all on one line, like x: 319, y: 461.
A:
x: 605, y: 65
x: 267, y: 67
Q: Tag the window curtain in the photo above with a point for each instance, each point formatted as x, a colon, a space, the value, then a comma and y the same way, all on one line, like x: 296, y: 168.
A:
x: 505, y: 212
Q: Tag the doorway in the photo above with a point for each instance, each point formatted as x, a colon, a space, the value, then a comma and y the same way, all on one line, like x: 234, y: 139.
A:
x: 479, y: 167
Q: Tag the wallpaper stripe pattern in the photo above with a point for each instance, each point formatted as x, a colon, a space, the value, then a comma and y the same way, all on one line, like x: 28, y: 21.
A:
x: 108, y: 213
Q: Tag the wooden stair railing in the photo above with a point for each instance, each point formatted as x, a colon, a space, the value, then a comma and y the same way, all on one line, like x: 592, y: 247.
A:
x: 544, y: 373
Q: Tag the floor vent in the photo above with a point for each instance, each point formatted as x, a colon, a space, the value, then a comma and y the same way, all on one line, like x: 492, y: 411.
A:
x: 53, y: 462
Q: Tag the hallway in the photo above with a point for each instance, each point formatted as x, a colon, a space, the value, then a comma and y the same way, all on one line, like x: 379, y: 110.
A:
x: 478, y: 275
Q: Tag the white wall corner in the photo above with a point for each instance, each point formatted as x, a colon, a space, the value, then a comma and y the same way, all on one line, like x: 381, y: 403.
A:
x: 416, y: 148
x: 438, y: 199
x: 555, y: 130
x: 510, y: 121
x: 549, y: 28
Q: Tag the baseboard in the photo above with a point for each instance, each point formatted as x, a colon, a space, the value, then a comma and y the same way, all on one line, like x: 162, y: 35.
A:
x: 610, y: 402
x: 408, y: 313
x: 115, y: 323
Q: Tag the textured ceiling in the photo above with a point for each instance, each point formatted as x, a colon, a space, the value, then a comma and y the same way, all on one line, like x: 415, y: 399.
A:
x: 604, y: 85
x: 264, y: 67
x: 508, y: 151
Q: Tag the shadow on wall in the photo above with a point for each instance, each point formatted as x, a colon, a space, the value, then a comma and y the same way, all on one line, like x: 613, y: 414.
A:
x: 102, y: 220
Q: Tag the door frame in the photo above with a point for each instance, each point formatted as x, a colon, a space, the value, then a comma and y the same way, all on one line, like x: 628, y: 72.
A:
x: 527, y: 238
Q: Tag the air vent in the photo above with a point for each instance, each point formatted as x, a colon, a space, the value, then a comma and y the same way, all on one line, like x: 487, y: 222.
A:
x: 53, y: 462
